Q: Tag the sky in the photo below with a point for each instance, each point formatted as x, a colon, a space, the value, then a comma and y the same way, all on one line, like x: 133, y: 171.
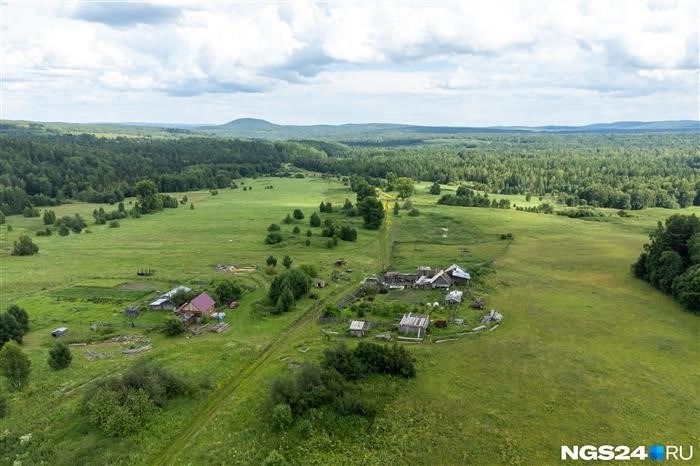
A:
x: 471, y: 63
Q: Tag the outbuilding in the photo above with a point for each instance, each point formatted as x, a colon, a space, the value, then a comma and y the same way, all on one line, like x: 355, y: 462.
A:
x: 59, y: 332
x: 416, y: 324
x: 358, y: 328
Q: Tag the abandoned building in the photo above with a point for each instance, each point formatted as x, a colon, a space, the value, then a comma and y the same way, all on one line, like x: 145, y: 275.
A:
x: 425, y: 278
x: 454, y: 297
x: 358, y: 328
x: 414, y: 324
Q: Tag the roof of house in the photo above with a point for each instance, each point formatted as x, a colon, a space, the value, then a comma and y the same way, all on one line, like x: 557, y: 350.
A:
x: 458, y: 272
x: 454, y: 295
x: 175, y: 291
x: 358, y: 325
x: 159, y: 301
x: 203, y: 302
x: 441, y: 274
x: 414, y: 320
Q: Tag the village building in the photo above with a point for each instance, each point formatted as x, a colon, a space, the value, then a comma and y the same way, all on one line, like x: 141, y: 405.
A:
x: 458, y: 275
x: 201, y: 306
x: 414, y: 324
x: 439, y: 280
x: 164, y: 301
x: 59, y: 332
x: 454, y: 297
x: 358, y: 328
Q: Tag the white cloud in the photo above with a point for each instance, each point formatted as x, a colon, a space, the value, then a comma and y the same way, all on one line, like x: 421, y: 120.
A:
x: 505, y: 49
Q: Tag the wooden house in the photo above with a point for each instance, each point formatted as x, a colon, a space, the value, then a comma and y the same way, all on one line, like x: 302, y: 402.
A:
x: 414, y: 324
x: 201, y: 306
x: 458, y: 275
x: 358, y: 328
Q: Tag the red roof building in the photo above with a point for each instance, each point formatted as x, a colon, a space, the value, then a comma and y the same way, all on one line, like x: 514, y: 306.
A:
x: 201, y: 306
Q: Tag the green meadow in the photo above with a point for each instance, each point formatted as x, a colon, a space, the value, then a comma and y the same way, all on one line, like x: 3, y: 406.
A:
x: 586, y: 353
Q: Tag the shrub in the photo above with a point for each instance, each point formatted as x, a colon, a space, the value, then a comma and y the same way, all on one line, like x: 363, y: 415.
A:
x: 347, y: 233
x: 271, y: 261
x: 274, y: 238
x: 287, y: 219
x: 120, y: 406
x: 4, y: 407
x: 308, y: 242
x: 281, y: 417
x: 296, y: 230
x: 273, y: 227
x: 60, y: 356
x: 114, y: 224
x: 413, y: 212
x: 173, y: 327
x: 315, y: 220
x: 24, y: 246
x: 309, y: 270
x: 298, y: 214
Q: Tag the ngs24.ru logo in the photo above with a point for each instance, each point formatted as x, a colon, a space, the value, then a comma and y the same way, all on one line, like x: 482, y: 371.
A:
x: 625, y: 453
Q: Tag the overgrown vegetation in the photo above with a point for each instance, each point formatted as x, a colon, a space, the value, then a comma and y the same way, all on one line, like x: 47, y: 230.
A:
x: 119, y: 406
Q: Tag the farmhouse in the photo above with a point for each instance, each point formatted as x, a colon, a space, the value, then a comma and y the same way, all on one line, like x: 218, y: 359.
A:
x: 358, y: 328
x: 201, y: 306
x: 416, y: 324
x: 439, y: 280
x: 453, y: 297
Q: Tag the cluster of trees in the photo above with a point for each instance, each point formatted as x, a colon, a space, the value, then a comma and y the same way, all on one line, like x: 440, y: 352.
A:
x: 331, y: 386
x: 14, y: 324
x: 45, y: 170
x: 24, y: 246
x: 671, y: 261
x: 287, y: 287
x: 581, y: 212
x: 470, y: 198
x: 619, y: 171
x: 122, y: 405
x: 544, y: 208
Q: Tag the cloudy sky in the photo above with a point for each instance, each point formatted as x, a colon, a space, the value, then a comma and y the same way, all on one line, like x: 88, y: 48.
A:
x: 454, y: 63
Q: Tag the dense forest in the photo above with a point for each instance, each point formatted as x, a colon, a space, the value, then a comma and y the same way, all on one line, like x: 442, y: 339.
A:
x: 627, y: 171
x: 671, y: 260
x: 622, y: 171
x: 48, y: 169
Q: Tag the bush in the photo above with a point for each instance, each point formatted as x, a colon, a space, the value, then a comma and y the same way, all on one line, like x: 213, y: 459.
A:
x: 24, y: 247
x: 414, y: 212
x: 173, y: 327
x: 274, y: 238
x: 296, y: 230
x: 4, y: 407
x: 308, y: 242
x: 281, y: 417
x: 298, y: 214
x: 508, y: 236
x: 120, y: 406
x: 114, y: 224
x: 60, y: 356
x: 347, y: 233
x: 315, y: 220
x: 309, y: 270
x: 273, y: 227
x: 14, y: 366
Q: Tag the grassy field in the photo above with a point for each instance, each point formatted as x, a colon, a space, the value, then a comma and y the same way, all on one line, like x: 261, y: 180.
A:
x: 586, y: 354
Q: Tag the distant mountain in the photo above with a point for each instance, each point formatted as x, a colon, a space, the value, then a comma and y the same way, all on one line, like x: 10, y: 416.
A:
x: 366, y: 134
x: 256, y: 128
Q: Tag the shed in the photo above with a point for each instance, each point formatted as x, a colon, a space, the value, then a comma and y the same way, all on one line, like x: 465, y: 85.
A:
x: 176, y: 290
x: 358, y: 328
x: 454, y: 297
x: 414, y: 324
x: 59, y: 332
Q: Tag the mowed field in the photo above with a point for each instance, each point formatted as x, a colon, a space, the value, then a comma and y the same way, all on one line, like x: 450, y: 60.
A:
x: 586, y: 353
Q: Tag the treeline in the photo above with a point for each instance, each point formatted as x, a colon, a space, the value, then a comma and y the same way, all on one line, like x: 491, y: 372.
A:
x: 469, y: 198
x: 618, y: 171
x: 45, y: 170
x: 671, y: 261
